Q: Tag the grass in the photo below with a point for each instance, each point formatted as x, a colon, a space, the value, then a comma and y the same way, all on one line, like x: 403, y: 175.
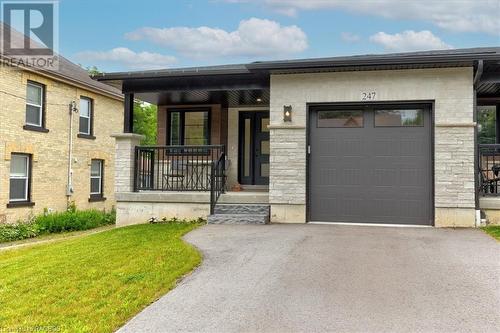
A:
x: 493, y: 231
x: 93, y: 283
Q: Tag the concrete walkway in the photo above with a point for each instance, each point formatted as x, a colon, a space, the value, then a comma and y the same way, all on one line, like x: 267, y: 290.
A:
x: 319, y: 278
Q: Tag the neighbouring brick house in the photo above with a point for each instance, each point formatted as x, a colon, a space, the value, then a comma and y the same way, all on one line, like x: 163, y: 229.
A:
x: 383, y: 139
x: 35, y: 140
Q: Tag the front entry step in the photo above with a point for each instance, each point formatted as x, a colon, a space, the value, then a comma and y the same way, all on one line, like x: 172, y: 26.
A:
x: 240, y: 214
x: 238, y: 219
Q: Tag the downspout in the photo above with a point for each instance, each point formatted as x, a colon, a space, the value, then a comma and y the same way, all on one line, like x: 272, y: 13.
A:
x: 69, y: 188
x: 477, y: 78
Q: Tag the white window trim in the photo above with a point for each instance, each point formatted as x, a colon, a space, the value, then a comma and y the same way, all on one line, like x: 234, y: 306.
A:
x: 40, y: 118
x: 96, y: 177
x: 27, y: 178
x: 89, y: 101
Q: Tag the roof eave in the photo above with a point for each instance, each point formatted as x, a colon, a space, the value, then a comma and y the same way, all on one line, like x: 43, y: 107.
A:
x: 162, y: 74
x: 369, y: 62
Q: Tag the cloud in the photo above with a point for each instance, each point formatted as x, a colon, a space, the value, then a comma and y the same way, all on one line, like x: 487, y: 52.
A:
x: 254, y: 37
x: 409, y: 40
x: 128, y: 58
x: 452, y: 15
x: 350, y: 37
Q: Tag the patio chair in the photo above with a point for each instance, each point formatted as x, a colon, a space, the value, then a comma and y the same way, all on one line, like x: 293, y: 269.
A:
x: 174, y: 178
x: 490, y: 179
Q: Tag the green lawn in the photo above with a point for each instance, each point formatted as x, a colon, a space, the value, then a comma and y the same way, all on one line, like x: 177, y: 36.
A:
x: 493, y: 231
x: 94, y: 283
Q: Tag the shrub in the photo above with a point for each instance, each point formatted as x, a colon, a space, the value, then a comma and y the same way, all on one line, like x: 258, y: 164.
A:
x: 71, y: 220
x: 13, y: 232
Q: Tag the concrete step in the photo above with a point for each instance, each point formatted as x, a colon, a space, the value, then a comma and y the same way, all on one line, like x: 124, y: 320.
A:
x: 241, y: 209
x: 238, y: 219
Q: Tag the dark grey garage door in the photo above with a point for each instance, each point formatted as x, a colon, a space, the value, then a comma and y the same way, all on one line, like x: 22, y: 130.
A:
x: 370, y: 164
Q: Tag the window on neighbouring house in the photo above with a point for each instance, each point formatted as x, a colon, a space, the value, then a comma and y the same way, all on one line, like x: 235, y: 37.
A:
x: 19, y: 178
x: 96, y: 179
x: 86, y: 114
x: 189, y: 127
x: 34, y: 104
x: 486, y: 119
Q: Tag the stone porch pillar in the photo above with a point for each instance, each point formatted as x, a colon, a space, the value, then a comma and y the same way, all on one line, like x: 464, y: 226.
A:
x: 124, y: 160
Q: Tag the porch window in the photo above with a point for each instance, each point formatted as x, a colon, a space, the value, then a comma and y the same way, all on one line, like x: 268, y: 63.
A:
x: 189, y: 127
x: 486, y: 118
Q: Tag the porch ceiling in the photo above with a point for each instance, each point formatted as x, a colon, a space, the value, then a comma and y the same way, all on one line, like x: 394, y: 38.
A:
x: 230, y: 98
x: 249, y: 89
x: 489, y: 84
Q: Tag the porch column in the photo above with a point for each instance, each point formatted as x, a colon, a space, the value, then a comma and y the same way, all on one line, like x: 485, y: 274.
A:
x: 124, y: 160
x: 128, y: 114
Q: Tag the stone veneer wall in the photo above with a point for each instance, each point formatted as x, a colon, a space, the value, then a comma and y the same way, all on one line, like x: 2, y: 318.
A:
x: 451, y: 89
x: 50, y: 150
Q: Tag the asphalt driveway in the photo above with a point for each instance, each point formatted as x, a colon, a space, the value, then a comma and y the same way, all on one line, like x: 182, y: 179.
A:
x: 314, y: 278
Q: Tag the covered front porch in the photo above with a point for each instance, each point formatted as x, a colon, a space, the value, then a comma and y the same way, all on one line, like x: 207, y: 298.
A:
x: 212, y: 145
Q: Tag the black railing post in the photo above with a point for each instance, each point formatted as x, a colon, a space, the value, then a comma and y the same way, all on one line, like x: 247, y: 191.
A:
x: 212, y: 188
x: 136, y: 169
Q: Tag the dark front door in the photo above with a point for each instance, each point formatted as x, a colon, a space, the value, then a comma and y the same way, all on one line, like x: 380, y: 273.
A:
x: 371, y: 164
x: 254, y: 148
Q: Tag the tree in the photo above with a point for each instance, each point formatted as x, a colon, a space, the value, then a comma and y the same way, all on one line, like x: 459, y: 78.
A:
x: 145, y: 120
x: 93, y: 70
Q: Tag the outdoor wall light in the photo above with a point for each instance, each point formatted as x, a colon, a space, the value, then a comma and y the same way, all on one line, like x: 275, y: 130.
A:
x: 259, y: 100
x: 287, y: 113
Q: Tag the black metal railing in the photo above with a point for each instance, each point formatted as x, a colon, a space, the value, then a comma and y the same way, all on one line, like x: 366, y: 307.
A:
x: 489, y: 169
x: 218, y: 180
x: 175, y: 168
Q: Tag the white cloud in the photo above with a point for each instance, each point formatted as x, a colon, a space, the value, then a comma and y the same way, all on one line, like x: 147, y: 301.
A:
x: 350, y: 37
x: 128, y: 58
x: 254, y: 37
x: 452, y: 15
x: 409, y: 40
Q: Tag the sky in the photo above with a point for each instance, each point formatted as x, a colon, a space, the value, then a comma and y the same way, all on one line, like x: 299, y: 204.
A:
x: 121, y: 35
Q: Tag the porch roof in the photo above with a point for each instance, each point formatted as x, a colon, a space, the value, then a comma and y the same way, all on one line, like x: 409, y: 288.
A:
x: 243, y: 84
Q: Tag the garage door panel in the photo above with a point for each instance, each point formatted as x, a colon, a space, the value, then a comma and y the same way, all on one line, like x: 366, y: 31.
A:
x: 371, y: 174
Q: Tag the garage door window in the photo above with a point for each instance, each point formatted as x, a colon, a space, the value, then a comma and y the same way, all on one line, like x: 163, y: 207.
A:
x: 399, y: 118
x: 339, y: 118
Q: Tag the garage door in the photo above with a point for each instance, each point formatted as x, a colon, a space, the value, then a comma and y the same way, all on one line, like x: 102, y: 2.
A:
x: 370, y: 164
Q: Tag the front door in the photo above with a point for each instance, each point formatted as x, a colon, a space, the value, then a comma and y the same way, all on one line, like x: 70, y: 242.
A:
x: 253, y: 148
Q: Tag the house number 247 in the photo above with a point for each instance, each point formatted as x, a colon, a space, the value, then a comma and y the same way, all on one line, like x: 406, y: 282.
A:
x: 368, y: 95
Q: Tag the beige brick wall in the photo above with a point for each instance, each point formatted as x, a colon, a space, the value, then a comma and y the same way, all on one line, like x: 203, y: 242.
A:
x: 450, y: 88
x: 50, y: 150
